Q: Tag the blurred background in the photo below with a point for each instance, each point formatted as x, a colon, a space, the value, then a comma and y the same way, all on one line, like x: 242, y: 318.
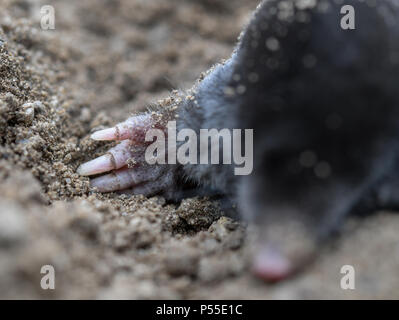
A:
x: 127, y: 53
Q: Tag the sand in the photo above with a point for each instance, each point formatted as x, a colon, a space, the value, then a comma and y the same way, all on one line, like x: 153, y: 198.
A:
x: 104, y: 61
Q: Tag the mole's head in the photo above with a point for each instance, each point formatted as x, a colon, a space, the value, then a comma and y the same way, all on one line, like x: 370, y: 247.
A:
x: 322, y: 102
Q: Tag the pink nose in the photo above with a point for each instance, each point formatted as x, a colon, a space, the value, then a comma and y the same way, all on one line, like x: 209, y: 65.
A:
x: 271, y: 266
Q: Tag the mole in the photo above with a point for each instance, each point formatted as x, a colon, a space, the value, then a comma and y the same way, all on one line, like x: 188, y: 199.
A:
x: 323, y: 104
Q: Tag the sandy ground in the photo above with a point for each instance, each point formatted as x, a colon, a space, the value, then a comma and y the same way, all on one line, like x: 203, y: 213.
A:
x: 105, y: 60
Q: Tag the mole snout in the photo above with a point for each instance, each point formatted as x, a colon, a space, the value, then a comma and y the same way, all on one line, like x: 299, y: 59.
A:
x: 282, y: 249
x: 270, y: 265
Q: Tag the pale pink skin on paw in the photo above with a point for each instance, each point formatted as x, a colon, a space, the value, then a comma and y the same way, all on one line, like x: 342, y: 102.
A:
x: 142, y: 178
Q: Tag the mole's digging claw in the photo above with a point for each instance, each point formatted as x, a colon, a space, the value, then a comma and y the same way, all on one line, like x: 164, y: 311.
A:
x: 146, y: 180
x: 115, y: 158
x: 133, y: 128
x: 125, y: 178
x: 164, y: 185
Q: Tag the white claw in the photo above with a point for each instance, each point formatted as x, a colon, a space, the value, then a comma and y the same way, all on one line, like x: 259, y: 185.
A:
x: 115, y: 158
x: 98, y: 165
x: 114, y: 181
x: 104, y: 135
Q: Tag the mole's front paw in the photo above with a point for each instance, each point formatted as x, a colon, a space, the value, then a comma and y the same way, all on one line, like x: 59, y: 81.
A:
x: 129, y: 170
